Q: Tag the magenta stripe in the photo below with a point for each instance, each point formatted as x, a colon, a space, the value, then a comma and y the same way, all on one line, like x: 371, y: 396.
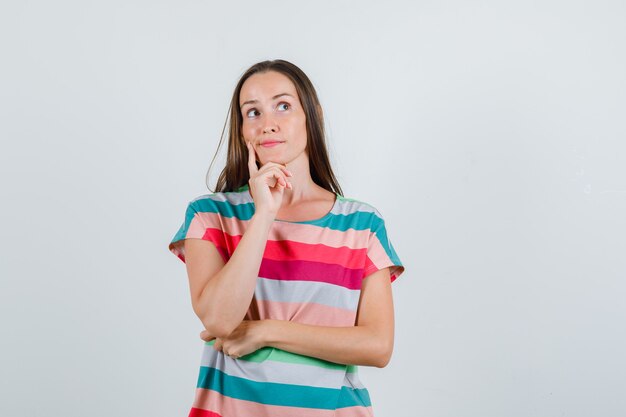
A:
x: 311, y: 271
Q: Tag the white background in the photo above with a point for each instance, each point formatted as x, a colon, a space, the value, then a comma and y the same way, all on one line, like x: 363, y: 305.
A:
x: 490, y: 135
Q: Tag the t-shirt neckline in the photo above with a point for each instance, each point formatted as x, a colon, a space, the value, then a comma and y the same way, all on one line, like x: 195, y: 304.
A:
x: 321, y: 219
x: 246, y: 188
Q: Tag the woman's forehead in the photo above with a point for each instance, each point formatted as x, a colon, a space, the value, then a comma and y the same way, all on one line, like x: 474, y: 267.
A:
x: 266, y: 86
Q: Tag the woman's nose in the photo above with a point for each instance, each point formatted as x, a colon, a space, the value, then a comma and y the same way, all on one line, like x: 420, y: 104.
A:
x: 269, y: 125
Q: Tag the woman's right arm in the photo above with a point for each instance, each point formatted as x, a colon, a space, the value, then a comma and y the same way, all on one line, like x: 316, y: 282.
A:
x: 221, y: 292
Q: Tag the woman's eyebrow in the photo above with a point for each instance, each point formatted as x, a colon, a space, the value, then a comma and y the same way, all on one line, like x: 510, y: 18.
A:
x: 273, y: 98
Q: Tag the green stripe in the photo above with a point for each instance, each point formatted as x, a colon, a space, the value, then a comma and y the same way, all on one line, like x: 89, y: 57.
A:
x: 273, y: 393
x: 279, y: 355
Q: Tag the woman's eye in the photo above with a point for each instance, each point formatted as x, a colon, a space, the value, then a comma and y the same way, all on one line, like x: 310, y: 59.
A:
x: 252, y: 113
x: 284, y: 106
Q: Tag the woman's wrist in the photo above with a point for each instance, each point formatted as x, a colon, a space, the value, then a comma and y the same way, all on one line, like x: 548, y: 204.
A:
x: 264, y: 215
x: 263, y: 220
x: 268, y: 328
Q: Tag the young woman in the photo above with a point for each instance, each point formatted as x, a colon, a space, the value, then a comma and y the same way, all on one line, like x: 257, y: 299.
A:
x: 291, y: 280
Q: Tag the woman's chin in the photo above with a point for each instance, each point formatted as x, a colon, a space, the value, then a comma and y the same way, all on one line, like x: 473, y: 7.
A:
x: 274, y: 160
x: 282, y: 158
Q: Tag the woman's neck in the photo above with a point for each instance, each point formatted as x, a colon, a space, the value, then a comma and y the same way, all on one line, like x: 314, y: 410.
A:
x: 303, y: 186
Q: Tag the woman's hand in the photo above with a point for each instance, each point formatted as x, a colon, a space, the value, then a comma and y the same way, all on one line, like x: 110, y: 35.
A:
x: 246, y: 338
x: 267, y: 184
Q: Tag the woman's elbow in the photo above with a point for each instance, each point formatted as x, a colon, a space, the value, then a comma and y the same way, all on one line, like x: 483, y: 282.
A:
x: 383, y: 355
x: 216, y: 326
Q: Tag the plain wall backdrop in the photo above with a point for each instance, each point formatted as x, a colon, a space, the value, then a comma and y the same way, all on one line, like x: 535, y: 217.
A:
x: 489, y: 134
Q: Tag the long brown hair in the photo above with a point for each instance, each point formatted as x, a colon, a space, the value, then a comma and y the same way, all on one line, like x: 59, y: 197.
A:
x: 235, y: 174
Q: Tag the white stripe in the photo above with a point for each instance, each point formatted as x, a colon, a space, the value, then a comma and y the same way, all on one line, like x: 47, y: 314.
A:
x: 348, y: 206
x: 307, y: 292
x: 352, y: 380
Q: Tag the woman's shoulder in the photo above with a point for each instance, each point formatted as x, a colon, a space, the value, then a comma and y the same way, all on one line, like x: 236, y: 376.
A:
x: 354, y: 205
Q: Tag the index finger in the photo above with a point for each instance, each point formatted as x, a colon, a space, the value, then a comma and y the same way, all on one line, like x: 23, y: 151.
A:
x: 251, y: 159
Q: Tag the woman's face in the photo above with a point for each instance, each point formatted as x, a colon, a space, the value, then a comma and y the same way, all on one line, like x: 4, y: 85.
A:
x: 273, y: 118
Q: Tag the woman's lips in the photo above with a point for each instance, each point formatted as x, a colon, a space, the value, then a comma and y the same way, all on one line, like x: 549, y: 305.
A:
x: 271, y: 143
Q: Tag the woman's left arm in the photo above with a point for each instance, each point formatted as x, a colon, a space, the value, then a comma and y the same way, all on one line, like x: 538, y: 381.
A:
x: 368, y: 343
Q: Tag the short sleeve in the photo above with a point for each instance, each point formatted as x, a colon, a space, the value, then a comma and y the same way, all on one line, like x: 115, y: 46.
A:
x: 380, y: 251
x: 202, y: 221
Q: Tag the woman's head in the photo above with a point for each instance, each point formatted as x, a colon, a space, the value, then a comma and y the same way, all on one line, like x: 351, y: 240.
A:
x: 305, y: 123
x: 273, y: 119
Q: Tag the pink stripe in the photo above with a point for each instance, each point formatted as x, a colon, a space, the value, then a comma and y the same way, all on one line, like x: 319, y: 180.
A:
x: 212, y: 400
x: 376, y: 253
x: 197, y: 227
x: 306, y: 313
x: 356, y: 411
x: 196, y: 230
x: 377, y: 259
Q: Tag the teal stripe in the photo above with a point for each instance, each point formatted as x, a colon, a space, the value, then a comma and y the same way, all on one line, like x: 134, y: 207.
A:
x: 353, y: 396
x: 270, y: 393
x: 182, y: 231
x: 359, y: 220
x: 225, y: 208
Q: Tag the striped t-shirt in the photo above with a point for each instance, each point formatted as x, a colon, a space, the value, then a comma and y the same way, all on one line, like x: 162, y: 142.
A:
x: 311, y: 273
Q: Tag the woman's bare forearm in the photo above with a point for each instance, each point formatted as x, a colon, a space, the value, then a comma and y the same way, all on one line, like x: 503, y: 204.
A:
x: 355, y: 345
x: 226, y: 297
